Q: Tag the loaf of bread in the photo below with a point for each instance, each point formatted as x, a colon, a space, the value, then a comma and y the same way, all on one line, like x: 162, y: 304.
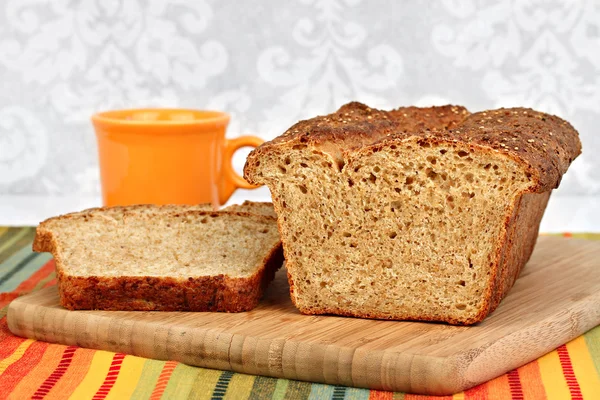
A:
x: 411, y: 214
x: 167, y: 258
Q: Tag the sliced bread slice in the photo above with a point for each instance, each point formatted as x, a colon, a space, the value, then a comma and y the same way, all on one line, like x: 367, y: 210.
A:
x: 254, y: 207
x: 170, y: 258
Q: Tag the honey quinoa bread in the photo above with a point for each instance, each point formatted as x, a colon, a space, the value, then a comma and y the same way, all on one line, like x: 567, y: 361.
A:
x: 255, y: 207
x: 167, y: 258
x: 415, y: 213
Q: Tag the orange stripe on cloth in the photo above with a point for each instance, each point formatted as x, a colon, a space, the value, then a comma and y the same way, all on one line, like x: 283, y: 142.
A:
x: 479, y: 392
x: 567, y: 366
x: 379, y: 395
x: 74, y: 375
x: 531, y: 380
x: 163, y: 380
x: 22, y: 364
x: 30, y: 283
x: 56, y: 375
x: 5, y: 299
x: 15, y: 354
x: 409, y: 396
x: 111, y: 377
x: 515, y: 385
x: 499, y: 388
x: 8, y: 343
x: 48, y: 363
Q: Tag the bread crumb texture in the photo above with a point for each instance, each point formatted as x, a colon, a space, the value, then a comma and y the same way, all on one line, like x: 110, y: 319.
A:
x: 170, y: 257
x: 414, y: 213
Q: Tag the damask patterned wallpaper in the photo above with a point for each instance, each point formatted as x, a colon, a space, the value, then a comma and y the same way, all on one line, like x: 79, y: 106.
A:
x: 270, y: 63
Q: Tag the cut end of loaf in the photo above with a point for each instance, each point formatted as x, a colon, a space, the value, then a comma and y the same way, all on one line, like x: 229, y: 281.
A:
x: 411, y: 230
x: 414, y: 213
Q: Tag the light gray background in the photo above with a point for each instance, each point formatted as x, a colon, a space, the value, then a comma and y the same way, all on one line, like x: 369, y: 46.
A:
x: 270, y: 63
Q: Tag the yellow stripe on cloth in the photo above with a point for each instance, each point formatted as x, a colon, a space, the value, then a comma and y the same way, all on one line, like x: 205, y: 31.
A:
x: 239, y: 387
x: 95, y: 376
x: 129, y: 375
x: 553, y: 377
x: 204, y: 384
x: 584, y: 368
x: 459, y: 396
x: 15, y: 356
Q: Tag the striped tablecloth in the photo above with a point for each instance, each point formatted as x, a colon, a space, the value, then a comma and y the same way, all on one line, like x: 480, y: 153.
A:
x: 33, y: 369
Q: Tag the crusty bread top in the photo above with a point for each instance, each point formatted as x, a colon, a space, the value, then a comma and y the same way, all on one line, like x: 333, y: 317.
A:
x: 143, y: 209
x: 254, y: 207
x: 544, y: 143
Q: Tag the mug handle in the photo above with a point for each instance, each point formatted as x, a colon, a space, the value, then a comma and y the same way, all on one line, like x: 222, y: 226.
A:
x: 231, y: 146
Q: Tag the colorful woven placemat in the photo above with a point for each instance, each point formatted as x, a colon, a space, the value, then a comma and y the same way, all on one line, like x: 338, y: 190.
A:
x: 39, y: 370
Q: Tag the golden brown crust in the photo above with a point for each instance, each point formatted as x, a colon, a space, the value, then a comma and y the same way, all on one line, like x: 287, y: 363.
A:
x: 521, y: 234
x: 145, y: 293
x: 355, y: 125
x: 134, y: 293
x: 544, y: 143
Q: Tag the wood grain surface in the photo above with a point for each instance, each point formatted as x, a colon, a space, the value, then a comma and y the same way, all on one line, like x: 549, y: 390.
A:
x: 556, y: 299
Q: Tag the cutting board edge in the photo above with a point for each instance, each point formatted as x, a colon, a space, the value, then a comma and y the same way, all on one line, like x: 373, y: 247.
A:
x: 479, y: 360
x: 340, y: 364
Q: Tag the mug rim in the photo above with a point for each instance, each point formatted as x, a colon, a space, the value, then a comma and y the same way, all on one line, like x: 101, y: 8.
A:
x: 118, y: 117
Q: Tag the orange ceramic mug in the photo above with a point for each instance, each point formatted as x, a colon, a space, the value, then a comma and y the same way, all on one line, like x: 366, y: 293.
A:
x: 167, y: 156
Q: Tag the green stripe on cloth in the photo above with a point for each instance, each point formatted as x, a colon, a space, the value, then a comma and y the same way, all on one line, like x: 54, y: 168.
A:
x: 319, y: 391
x: 357, y: 394
x: 181, y: 382
x: 592, y: 341
x: 280, y: 389
x: 19, y: 266
x: 148, y: 378
x: 263, y: 388
x: 298, y: 390
x: 7, y: 234
x: 14, y: 240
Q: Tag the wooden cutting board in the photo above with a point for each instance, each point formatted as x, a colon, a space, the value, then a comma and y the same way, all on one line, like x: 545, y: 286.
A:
x: 556, y: 299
